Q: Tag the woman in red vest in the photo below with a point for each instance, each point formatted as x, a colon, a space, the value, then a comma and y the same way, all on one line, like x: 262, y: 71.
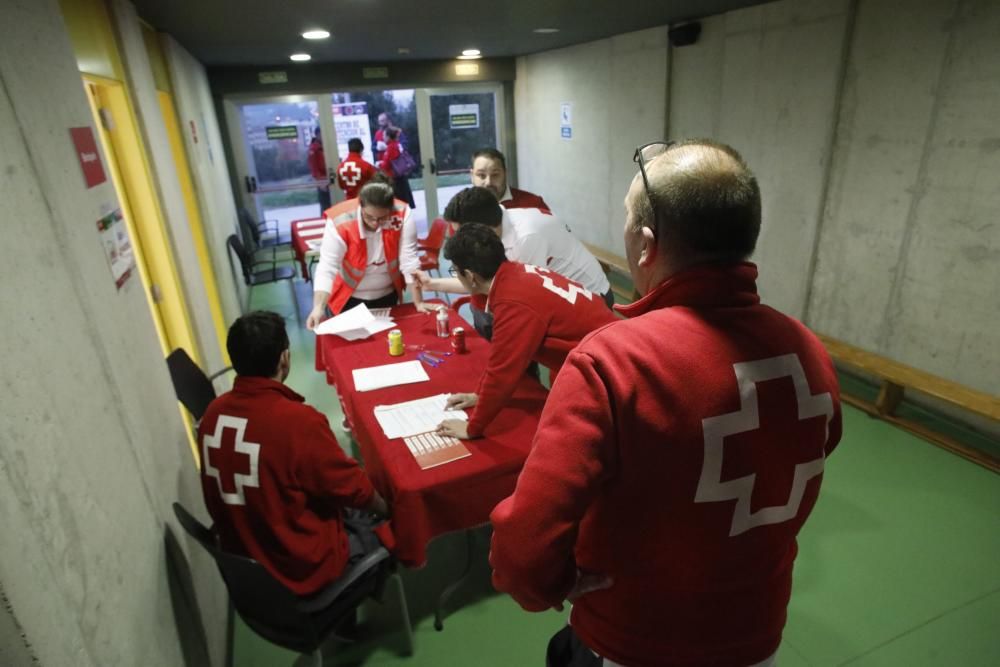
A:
x: 368, y: 255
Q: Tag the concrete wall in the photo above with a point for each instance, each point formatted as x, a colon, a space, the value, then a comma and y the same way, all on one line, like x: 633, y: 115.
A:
x: 93, y: 448
x: 873, y: 133
x: 618, y: 90
x: 196, y: 111
x: 909, y: 253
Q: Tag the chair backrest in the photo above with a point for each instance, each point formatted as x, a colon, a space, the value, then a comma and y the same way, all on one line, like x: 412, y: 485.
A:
x: 268, y: 607
x: 249, y: 228
x: 193, y: 388
x: 436, y: 235
x: 246, y: 262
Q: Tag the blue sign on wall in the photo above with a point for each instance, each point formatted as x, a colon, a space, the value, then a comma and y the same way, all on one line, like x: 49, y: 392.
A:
x: 567, y: 132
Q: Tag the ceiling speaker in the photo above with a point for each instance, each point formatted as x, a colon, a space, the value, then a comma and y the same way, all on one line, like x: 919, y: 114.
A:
x: 684, y: 35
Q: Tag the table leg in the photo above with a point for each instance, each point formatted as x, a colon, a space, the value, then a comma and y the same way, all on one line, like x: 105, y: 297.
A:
x: 470, y: 541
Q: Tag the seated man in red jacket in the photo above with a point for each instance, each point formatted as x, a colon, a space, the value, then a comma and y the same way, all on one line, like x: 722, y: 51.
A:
x: 278, y: 486
x: 680, y: 450
x: 489, y: 170
x: 538, y: 315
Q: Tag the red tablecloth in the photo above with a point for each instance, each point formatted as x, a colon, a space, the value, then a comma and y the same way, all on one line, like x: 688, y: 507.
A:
x: 303, y: 231
x: 453, y: 496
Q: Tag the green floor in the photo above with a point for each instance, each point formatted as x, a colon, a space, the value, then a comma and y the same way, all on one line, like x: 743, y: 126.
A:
x: 898, y: 566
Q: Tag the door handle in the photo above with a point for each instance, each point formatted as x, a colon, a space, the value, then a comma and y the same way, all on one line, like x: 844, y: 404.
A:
x: 432, y: 165
x: 253, y: 183
x: 246, y: 182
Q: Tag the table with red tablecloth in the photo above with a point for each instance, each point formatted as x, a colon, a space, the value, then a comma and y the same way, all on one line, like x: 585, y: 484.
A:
x: 453, y: 496
x: 307, y: 234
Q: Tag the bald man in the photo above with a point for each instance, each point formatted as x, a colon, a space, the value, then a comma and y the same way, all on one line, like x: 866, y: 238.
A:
x: 680, y: 450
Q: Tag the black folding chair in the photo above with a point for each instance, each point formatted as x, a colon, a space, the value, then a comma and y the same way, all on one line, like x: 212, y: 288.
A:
x: 194, y: 389
x: 263, y: 236
x: 281, y: 617
x: 253, y: 276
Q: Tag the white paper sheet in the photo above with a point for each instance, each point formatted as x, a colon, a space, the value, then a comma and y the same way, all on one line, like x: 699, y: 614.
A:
x: 402, y: 420
x: 389, y: 375
x: 354, y: 324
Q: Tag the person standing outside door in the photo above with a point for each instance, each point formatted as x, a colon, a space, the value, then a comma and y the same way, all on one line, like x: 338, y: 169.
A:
x: 317, y: 167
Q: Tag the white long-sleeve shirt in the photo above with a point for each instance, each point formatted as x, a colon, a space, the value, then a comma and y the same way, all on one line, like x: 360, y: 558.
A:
x: 376, y: 281
x: 530, y: 236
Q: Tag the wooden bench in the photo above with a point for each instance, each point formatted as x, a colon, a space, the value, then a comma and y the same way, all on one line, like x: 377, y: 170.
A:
x: 612, y: 263
x: 896, y: 378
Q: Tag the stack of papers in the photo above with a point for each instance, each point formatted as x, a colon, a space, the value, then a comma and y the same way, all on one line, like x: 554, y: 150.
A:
x: 354, y: 324
x: 414, y: 417
x: 389, y: 375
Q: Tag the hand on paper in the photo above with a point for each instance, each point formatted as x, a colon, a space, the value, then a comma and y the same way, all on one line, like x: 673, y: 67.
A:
x: 461, y: 401
x: 456, y: 428
x: 315, y: 317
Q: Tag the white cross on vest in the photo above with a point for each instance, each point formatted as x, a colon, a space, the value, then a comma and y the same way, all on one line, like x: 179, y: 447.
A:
x: 711, y: 488
x: 350, y: 173
x: 250, y: 478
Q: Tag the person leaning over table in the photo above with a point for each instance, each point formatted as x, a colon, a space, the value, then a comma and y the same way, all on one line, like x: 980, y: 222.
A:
x: 528, y: 236
x: 538, y: 315
x: 277, y: 484
x: 681, y: 450
x: 368, y: 254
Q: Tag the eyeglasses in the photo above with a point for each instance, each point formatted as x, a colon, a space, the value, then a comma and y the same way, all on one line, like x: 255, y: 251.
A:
x: 453, y: 271
x: 382, y: 221
x: 644, y: 154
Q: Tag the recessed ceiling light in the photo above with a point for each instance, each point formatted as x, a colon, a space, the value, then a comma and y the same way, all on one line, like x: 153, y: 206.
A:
x: 316, y: 34
x: 545, y: 31
x: 300, y: 57
x: 471, y: 52
x: 402, y: 50
x: 463, y: 57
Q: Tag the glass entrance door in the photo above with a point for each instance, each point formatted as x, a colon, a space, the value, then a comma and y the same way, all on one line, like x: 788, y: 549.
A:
x: 461, y: 121
x: 284, y: 168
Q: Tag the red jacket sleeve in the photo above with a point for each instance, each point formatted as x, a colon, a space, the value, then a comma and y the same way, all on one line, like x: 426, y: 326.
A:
x: 324, y: 471
x: 573, y: 453
x: 391, y: 153
x: 518, y: 332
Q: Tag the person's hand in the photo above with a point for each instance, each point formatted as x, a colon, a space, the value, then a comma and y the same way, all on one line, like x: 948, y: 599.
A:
x: 456, y: 428
x: 461, y: 401
x: 424, y: 307
x: 423, y: 279
x: 315, y: 317
x: 586, y: 582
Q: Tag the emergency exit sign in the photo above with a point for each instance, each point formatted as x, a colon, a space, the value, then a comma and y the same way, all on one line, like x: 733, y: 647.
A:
x: 276, y: 132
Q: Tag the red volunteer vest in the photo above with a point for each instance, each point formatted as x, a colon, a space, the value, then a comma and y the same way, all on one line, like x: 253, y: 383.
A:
x: 345, y: 218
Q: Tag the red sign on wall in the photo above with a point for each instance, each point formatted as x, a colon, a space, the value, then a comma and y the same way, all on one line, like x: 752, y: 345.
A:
x: 90, y: 159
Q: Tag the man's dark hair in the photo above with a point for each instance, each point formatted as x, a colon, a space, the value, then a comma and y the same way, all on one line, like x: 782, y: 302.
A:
x: 474, y: 204
x: 492, y: 154
x: 710, y: 206
x: 377, y: 192
x: 476, y: 248
x: 392, y: 133
x: 355, y: 145
x: 255, y: 343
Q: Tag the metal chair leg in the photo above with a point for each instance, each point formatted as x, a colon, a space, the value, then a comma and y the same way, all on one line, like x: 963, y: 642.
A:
x: 450, y: 589
x: 404, y: 611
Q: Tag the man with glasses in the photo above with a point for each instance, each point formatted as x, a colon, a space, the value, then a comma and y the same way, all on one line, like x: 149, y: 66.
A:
x: 538, y: 315
x: 680, y: 450
x: 368, y: 254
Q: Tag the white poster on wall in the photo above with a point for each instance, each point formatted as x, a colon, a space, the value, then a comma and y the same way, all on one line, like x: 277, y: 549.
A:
x: 566, y: 120
x: 351, y: 121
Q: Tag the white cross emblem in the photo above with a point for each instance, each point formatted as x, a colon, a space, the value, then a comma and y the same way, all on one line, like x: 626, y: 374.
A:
x: 251, y: 449
x: 350, y: 173
x: 711, y: 488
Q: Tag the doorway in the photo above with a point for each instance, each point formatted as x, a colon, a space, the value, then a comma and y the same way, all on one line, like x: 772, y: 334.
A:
x: 440, y: 128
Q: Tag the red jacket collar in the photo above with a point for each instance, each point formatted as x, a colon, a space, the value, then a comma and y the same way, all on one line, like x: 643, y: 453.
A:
x: 247, y: 384
x: 704, y: 285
